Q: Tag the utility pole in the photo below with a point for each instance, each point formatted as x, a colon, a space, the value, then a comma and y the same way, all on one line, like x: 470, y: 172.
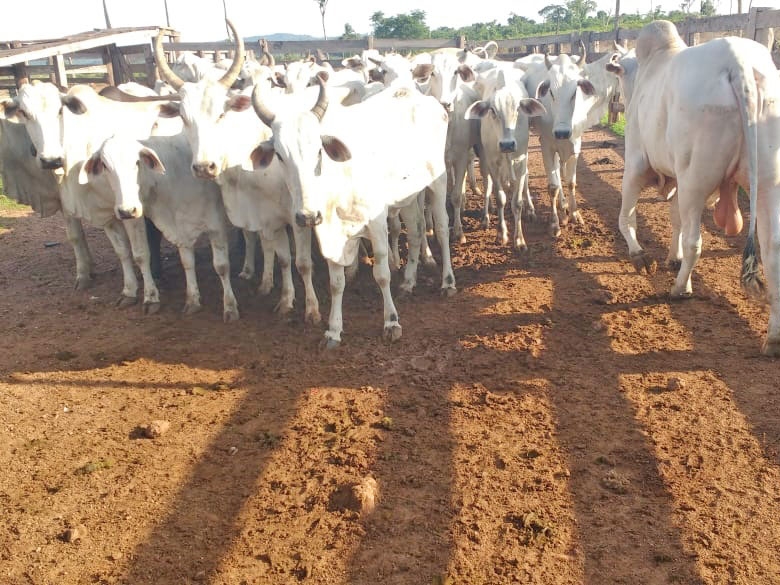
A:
x: 105, y: 13
x: 167, y: 18
x: 739, y: 6
x: 617, y: 20
x: 224, y: 9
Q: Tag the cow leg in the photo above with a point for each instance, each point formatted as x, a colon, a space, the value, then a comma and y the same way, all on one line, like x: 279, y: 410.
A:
x: 250, y: 251
x: 471, y: 175
x: 427, y: 214
x: 139, y: 244
x: 438, y: 202
x: 118, y: 238
x: 377, y: 229
x: 305, y: 268
x: 768, y: 228
x: 84, y: 263
x: 415, y: 232
x: 457, y: 197
x: 517, y: 202
x: 154, y: 239
x: 674, y: 259
x: 192, y: 298
x: 634, y: 177
x: 395, y: 232
x: 551, y: 167
x: 221, y: 260
x: 502, y: 235
x: 569, y: 172
x: 335, y: 319
x: 528, y: 209
x: 267, y: 279
x: 426, y: 256
x: 281, y: 245
x: 691, y: 206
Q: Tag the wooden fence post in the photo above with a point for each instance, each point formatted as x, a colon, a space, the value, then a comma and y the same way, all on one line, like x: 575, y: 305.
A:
x: 21, y: 76
x: 151, y: 67
x: 460, y: 41
x: 370, y: 43
x: 60, y: 75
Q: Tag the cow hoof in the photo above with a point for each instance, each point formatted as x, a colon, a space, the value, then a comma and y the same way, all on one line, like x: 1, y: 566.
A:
x: 124, y: 301
x: 555, y: 230
x: 404, y: 291
x: 521, y: 249
x: 642, y: 262
x: 771, y: 348
x: 448, y: 292
x: 312, y: 317
x: 330, y: 344
x: 151, y: 308
x: 429, y: 232
x: 265, y: 289
x: 682, y: 295
x: 230, y: 315
x: 283, y: 308
x: 246, y: 275
x: 83, y: 282
x: 674, y: 265
x: 392, y: 332
x: 429, y: 265
x: 577, y: 216
x: 485, y: 222
x: 191, y: 308
x: 502, y: 240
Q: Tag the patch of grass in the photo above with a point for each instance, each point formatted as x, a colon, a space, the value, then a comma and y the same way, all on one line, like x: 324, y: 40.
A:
x: 94, y: 466
x: 618, y: 127
x: 8, y: 204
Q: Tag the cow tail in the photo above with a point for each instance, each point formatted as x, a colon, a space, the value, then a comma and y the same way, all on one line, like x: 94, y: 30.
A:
x: 745, y: 89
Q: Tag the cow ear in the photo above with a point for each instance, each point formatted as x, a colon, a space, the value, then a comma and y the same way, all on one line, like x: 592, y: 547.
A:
x: 278, y: 79
x: 614, y: 66
x: 335, y: 148
x: 586, y: 87
x: 170, y: 110
x: 92, y: 166
x: 532, y: 107
x: 9, y: 110
x: 466, y: 73
x: 74, y: 104
x: 151, y: 160
x: 477, y: 110
x: 238, y: 103
x: 262, y: 155
x: 542, y: 89
x: 422, y: 72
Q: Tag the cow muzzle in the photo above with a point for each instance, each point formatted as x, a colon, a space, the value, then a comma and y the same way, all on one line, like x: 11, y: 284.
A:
x: 52, y: 163
x: 308, y: 218
x: 205, y: 170
x: 129, y: 213
x: 507, y: 145
x: 562, y: 134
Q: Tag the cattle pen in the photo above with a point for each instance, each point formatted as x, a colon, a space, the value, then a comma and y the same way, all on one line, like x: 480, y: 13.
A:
x: 114, y: 56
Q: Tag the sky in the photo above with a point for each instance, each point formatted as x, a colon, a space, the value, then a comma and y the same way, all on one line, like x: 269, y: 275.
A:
x: 203, y: 20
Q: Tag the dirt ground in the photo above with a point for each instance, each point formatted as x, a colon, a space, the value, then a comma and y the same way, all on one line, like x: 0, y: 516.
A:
x: 558, y: 421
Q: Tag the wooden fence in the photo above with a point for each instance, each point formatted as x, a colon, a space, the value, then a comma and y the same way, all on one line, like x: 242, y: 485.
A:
x: 68, y: 59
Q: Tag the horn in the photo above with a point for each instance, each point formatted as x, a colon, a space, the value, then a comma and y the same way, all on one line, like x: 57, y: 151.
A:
x: 547, y: 61
x: 162, y: 64
x: 235, y: 68
x: 262, y: 111
x: 322, y: 100
x: 584, y: 53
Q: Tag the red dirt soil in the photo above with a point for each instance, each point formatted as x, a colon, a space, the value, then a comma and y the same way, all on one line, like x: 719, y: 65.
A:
x: 558, y: 421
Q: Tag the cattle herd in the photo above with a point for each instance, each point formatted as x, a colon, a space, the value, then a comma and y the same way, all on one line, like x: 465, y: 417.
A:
x: 353, y: 154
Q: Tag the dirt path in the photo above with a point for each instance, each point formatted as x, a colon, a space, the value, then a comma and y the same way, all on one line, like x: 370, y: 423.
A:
x: 557, y: 421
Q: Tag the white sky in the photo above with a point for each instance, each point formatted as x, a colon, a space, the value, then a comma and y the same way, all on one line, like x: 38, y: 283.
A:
x: 203, y: 20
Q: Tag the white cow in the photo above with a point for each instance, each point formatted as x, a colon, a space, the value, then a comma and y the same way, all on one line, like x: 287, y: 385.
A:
x: 222, y: 131
x: 153, y: 178
x: 65, y: 129
x: 343, y: 183
x: 575, y: 96
x: 504, y: 138
x: 708, y: 117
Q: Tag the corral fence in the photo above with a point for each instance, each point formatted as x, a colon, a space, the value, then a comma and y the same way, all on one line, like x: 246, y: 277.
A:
x: 113, y: 56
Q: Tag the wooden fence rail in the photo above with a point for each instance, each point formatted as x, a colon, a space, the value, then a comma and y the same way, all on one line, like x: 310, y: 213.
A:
x: 99, y: 57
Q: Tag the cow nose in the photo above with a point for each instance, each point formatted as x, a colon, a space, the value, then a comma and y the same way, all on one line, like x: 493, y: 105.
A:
x: 205, y: 170
x: 52, y: 163
x: 562, y: 134
x: 131, y: 213
x: 508, y: 145
x: 308, y: 218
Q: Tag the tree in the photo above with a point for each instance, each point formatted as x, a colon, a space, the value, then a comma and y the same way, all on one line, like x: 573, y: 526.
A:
x: 401, y: 26
x: 322, y: 5
x: 554, y: 13
x: 578, y: 11
x: 707, y: 8
x: 349, y: 32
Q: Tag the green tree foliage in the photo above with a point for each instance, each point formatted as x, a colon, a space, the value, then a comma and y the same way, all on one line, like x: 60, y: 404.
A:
x: 707, y: 8
x: 401, y: 26
x: 349, y: 33
x: 578, y: 11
